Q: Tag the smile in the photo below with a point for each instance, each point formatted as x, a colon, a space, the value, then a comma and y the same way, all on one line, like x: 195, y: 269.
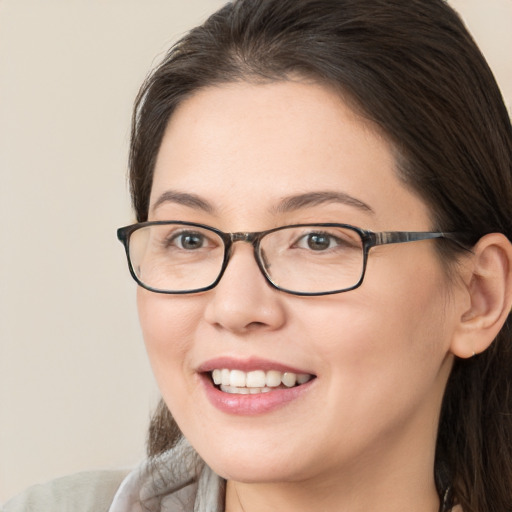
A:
x: 253, y: 386
x: 257, y: 381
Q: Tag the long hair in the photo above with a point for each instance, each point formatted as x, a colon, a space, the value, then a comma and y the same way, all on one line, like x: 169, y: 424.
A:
x: 411, y: 67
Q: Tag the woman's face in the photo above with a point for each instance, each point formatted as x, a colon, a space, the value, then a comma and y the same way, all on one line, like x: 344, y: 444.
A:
x: 377, y: 357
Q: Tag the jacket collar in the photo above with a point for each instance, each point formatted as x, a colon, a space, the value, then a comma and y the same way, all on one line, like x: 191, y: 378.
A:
x: 175, y: 481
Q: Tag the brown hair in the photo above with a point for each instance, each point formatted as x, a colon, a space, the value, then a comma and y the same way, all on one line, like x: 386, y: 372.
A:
x: 411, y: 67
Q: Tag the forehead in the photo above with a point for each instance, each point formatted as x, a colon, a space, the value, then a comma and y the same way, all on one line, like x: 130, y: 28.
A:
x: 247, y: 146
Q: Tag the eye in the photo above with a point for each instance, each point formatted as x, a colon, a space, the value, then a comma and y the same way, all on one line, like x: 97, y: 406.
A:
x: 188, y: 240
x: 318, y: 241
x: 327, y: 240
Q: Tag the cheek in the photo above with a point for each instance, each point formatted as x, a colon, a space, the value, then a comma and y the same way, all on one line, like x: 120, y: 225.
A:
x: 391, y: 336
x: 167, y: 323
x: 412, y: 329
x: 380, y: 316
x: 412, y: 314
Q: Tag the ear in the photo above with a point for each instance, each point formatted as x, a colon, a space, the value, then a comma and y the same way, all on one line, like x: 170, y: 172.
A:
x: 487, y: 277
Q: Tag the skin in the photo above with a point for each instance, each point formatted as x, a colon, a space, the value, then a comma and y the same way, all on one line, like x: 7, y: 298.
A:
x: 363, y: 436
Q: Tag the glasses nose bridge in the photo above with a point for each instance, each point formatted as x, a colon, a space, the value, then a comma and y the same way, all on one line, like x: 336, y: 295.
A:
x: 241, y: 236
x: 247, y: 237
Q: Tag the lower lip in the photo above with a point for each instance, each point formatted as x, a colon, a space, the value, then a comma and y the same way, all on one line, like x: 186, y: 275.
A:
x: 249, y: 405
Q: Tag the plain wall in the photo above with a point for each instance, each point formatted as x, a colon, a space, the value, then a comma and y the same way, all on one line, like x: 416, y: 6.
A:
x: 75, y: 388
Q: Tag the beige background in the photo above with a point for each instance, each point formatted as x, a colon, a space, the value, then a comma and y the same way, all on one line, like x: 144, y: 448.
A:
x: 75, y: 388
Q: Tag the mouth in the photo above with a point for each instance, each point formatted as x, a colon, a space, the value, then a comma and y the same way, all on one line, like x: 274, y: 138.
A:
x: 249, y: 387
x: 256, y: 381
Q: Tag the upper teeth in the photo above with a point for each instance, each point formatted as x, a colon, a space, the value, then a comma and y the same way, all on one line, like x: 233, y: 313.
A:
x: 258, y: 378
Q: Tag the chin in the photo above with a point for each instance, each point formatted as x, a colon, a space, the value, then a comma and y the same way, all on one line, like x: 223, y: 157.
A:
x: 258, y: 464
x: 253, y: 473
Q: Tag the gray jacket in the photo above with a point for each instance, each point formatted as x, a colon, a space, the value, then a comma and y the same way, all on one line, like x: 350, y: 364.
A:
x: 176, y: 481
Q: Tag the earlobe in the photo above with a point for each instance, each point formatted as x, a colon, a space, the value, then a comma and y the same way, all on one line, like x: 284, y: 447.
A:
x: 488, y: 286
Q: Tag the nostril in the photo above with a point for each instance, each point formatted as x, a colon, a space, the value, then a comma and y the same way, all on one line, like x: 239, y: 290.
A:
x: 254, y: 326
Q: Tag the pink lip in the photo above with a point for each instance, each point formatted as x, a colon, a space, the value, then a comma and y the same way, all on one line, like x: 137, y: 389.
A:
x: 250, y: 405
x: 246, y: 365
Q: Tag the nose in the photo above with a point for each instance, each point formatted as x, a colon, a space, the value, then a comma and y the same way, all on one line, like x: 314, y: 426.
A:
x: 243, y: 301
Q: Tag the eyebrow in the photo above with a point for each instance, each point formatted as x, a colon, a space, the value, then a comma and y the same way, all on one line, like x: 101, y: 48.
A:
x: 307, y: 200
x: 185, y: 199
x: 287, y: 204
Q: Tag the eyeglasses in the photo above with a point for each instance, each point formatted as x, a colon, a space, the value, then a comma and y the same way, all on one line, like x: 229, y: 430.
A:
x: 177, y: 257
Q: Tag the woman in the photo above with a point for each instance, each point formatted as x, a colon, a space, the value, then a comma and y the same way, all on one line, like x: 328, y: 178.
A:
x: 357, y: 356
